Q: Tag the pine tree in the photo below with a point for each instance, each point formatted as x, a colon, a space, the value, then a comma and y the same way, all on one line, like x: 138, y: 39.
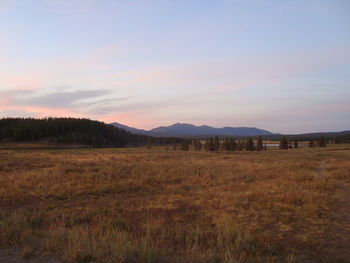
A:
x: 197, y: 145
x: 226, y: 144
x: 211, y: 144
x: 229, y: 144
x: 240, y: 145
x: 149, y: 143
x: 185, y: 145
x: 259, y: 144
x: 206, y: 145
x: 283, y: 143
x: 311, y: 143
x: 216, y: 143
x: 174, y: 144
x: 321, y: 142
x: 250, y: 145
x: 233, y: 144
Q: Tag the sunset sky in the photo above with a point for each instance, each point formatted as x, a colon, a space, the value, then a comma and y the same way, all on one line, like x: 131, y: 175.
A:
x: 283, y: 66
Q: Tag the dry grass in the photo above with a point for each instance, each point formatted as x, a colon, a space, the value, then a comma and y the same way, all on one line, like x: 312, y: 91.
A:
x: 158, y: 205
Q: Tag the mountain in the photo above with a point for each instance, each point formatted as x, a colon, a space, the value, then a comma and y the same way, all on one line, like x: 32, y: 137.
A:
x: 131, y: 129
x: 186, y: 129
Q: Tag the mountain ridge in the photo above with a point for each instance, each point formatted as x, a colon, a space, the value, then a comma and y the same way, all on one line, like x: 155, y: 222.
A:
x: 187, y: 129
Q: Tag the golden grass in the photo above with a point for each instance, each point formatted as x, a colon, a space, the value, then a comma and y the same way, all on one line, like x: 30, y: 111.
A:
x: 158, y: 205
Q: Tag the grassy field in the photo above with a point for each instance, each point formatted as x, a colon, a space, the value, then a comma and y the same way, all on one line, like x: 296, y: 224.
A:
x: 161, y: 205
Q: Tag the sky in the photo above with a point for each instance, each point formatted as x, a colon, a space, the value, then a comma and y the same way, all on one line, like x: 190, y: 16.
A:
x: 278, y: 65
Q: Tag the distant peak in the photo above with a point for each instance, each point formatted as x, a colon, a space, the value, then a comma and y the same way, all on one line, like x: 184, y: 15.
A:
x: 178, y: 124
x: 185, y: 129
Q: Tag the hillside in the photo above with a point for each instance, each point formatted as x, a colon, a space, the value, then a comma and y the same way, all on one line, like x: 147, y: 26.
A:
x: 131, y: 129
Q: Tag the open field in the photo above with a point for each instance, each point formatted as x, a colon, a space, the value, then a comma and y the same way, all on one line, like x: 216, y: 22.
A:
x: 158, y: 205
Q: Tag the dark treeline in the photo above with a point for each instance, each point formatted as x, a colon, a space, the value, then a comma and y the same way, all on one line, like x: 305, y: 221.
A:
x: 231, y: 144
x: 330, y: 137
x: 71, y: 130
x: 214, y: 144
x: 341, y: 139
x: 99, y: 134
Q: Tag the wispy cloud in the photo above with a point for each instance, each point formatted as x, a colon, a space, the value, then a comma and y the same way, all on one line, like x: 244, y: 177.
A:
x: 45, y: 73
x: 103, y: 102
x: 61, y: 99
x: 234, y: 73
x: 64, y: 102
x: 135, y: 92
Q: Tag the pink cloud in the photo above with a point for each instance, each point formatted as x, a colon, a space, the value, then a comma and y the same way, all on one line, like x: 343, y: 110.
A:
x: 5, y: 101
x: 46, y: 74
x: 39, y: 112
x: 49, y: 112
x: 22, y: 81
x: 207, y: 77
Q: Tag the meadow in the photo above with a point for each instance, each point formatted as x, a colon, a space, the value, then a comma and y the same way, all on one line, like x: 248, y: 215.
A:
x: 165, y: 205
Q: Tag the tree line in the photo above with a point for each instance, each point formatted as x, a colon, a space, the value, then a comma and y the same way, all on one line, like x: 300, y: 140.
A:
x: 71, y: 130
x: 230, y: 144
x: 99, y: 134
x: 215, y: 144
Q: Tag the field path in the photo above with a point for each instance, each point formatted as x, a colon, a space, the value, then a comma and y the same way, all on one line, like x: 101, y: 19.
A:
x: 321, y: 171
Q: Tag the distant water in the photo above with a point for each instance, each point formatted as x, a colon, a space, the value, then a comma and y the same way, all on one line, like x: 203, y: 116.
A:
x: 272, y: 144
